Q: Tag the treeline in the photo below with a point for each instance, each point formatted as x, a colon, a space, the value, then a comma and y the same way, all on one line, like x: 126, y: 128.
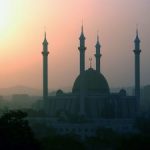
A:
x: 16, y: 134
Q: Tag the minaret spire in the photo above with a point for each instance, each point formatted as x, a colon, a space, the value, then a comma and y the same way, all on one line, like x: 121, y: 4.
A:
x: 98, y: 54
x: 45, y: 35
x: 45, y: 40
x: 137, y: 32
x: 137, y: 52
x: 82, y: 31
x: 82, y: 49
x: 45, y: 53
x: 97, y: 37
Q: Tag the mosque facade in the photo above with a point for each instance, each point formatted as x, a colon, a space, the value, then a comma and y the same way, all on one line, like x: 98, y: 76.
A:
x: 91, y: 98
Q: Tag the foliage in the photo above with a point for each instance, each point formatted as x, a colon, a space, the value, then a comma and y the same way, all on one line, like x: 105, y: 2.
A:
x: 105, y: 139
x: 143, y: 125
x: 140, y: 139
x: 42, y: 130
x: 35, y: 113
x: 15, y: 132
x: 67, y: 142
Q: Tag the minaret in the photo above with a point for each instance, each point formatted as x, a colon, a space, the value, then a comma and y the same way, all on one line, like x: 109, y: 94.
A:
x: 82, y: 49
x: 137, y: 52
x: 98, y: 55
x: 45, y: 68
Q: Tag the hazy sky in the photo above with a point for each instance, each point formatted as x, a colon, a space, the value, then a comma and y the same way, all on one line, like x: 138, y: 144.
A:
x: 21, y: 34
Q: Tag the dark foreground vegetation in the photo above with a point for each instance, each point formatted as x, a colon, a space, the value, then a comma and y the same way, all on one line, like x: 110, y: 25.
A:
x: 16, y: 134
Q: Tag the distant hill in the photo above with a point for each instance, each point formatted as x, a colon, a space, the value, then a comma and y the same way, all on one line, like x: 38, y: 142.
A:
x: 27, y: 90
x: 20, y: 90
x: 37, y: 92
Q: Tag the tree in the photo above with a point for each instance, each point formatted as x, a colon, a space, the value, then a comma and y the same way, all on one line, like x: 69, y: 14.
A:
x: 66, y: 142
x: 15, y: 132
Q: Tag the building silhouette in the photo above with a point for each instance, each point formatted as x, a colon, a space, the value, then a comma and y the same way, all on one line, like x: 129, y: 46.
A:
x: 91, y: 97
x: 137, y: 52
x: 45, y: 68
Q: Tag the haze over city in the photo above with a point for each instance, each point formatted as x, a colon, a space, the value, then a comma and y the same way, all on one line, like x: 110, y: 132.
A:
x: 74, y: 74
x: 22, y: 27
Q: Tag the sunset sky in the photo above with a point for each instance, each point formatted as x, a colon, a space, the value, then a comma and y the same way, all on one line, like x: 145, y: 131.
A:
x: 22, y: 24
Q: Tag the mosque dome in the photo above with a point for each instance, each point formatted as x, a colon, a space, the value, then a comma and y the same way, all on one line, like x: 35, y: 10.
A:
x: 93, y: 82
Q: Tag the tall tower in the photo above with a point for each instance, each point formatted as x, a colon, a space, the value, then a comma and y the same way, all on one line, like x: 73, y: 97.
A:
x: 98, y: 54
x: 82, y: 49
x: 137, y: 52
x: 45, y: 68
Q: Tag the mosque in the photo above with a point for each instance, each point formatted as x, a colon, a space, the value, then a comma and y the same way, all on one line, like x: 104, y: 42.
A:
x: 91, y: 97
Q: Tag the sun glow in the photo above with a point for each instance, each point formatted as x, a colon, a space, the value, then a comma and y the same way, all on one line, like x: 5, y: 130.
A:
x: 5, y: 12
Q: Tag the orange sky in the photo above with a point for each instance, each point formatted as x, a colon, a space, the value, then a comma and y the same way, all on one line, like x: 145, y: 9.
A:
x: 21, y: 34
